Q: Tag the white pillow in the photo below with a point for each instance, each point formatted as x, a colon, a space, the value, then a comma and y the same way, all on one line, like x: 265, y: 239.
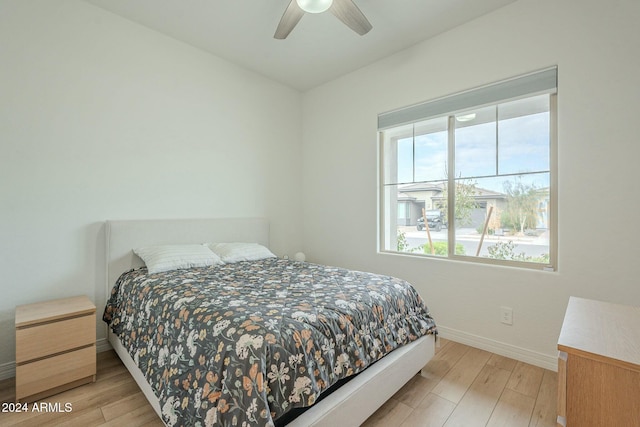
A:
x: 172, y: 257
x: 236, y: 252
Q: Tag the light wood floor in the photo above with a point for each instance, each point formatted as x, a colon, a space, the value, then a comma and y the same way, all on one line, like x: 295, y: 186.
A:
x: 461, y: 386
x: 466, y: 387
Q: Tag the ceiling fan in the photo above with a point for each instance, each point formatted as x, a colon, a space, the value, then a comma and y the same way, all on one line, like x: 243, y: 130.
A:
x: 344, y: 10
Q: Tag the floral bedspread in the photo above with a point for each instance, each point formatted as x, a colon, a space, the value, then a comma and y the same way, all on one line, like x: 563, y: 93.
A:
x: 241, y: 344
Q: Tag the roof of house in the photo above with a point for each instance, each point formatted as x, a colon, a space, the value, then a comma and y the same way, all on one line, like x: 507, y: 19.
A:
x: 407, y: 189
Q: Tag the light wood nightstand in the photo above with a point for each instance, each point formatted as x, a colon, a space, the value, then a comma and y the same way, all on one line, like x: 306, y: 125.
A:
x: 599, y: 365
x: 55, y: 347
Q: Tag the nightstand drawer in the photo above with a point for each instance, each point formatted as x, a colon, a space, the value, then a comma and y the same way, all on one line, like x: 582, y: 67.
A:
x: 55, y: 371
x: 47, y: 339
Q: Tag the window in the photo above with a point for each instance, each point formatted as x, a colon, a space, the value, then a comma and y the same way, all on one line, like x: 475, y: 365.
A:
x: 472, y: 176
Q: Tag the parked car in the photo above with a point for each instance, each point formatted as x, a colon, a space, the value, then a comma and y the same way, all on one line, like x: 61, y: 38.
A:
x: 434, y: 220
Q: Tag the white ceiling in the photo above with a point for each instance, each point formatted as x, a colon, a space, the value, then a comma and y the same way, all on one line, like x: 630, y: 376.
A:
x: 318, y: 50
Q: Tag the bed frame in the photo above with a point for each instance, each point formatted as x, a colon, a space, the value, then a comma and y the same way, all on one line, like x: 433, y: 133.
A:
x: 350, y: 405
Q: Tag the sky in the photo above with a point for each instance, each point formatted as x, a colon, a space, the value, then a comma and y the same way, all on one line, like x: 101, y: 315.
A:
x: 523, y: 147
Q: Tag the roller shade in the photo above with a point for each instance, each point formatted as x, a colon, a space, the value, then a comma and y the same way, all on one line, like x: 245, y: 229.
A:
x: 536, y: 83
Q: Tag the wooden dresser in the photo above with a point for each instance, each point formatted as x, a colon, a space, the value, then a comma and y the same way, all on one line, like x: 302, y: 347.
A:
x: 55, y: 346
x: 599, y: 365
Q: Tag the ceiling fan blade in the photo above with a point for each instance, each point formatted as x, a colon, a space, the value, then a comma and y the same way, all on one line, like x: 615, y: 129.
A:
x: 350, y: 14
x: 289, y: 19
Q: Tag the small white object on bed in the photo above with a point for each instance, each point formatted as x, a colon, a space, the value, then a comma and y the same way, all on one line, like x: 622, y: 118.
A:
x: 350, y: 405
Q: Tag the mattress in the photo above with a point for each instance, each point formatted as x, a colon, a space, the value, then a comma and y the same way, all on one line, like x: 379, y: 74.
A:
x: 246, y: 343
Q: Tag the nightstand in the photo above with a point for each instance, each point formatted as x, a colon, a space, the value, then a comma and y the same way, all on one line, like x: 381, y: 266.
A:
x: 599, y: 365
x: 55, y: 347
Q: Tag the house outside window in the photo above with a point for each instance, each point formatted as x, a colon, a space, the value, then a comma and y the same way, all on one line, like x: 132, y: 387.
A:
x: 472, y: 176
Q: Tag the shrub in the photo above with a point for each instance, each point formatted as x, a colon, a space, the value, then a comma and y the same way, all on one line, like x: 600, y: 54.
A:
x: 402, y: 242
x: 506, y: 250
x: 441, y: 248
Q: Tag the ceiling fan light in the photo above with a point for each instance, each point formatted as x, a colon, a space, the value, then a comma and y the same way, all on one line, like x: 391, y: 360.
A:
x: 314, y: 6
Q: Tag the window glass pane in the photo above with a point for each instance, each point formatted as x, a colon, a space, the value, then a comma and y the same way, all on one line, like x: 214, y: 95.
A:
x: 431, y: 150
x: 421, y: 200
x: 405, y: 160
x: 515, y: 210
x: 523, y: 129
x: 475, y: 143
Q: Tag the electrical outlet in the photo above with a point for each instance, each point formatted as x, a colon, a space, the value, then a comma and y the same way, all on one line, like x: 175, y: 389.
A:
x: 506, y: 315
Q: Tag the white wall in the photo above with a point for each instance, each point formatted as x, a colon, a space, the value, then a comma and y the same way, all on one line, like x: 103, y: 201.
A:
x: 102, y: 119
x: 595, y: 45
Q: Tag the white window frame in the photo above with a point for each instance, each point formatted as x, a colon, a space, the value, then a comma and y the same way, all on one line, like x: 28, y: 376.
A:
x: 529, y: 85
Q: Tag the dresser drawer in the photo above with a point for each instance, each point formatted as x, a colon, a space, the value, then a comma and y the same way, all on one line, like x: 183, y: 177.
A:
x: 42, y: 340
x: 52, y: 372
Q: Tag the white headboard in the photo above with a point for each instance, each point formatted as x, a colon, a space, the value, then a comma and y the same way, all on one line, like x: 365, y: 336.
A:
x: 123, y: 236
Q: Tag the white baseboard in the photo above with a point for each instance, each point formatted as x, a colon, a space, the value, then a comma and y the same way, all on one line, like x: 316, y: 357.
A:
x: 518, y: 353
x: 8, y: 370
x: 103, y: 344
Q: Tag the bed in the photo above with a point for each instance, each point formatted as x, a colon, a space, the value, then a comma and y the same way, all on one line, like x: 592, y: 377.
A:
x: 258, y: 362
